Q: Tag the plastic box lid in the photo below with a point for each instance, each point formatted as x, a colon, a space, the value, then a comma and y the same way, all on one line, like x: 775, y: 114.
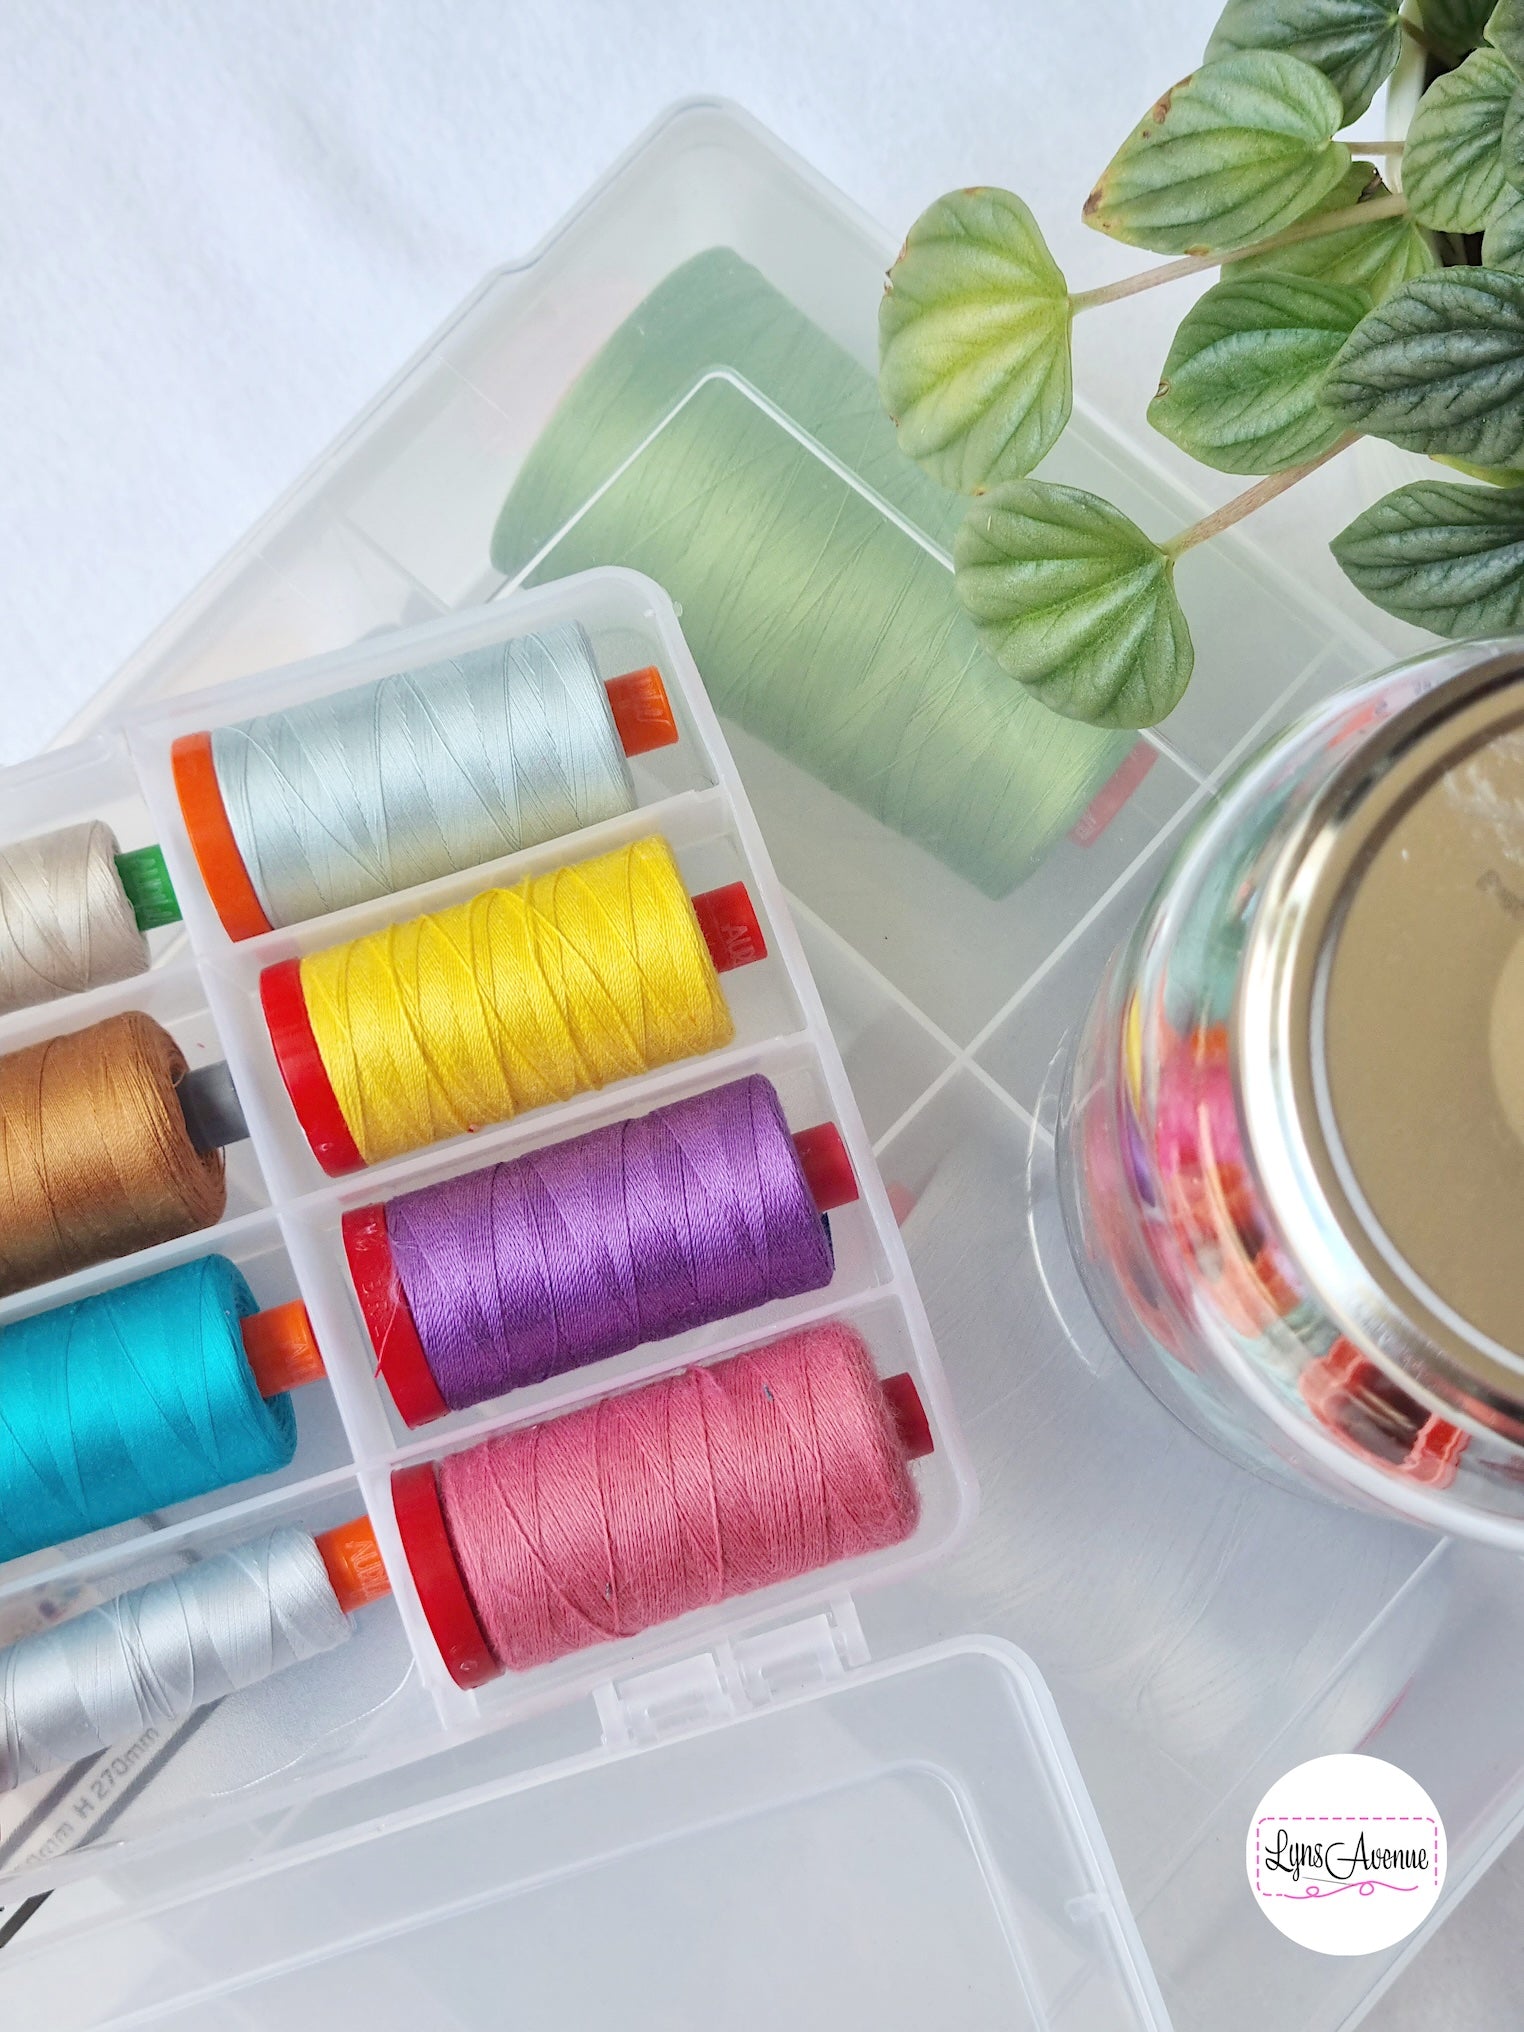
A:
x: 909, y: 1845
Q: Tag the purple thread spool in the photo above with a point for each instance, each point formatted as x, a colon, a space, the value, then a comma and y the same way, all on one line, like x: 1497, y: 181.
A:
x: 632, y: 1233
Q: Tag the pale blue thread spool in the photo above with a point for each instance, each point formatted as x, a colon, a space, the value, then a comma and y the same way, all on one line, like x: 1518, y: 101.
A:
x: 129, y: 1401
x: 817, y: 622
x: 371, y: 790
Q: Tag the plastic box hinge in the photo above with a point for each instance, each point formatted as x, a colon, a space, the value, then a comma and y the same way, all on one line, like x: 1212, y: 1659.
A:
x: 733, y: 1679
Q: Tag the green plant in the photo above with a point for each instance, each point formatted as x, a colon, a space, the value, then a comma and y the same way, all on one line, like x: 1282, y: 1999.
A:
x: 1343, y: 309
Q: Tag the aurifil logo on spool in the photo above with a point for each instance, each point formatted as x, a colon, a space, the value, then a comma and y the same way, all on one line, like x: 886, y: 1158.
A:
x: 1346, y: 1855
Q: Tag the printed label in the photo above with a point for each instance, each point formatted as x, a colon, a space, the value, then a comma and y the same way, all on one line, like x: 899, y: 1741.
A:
x: 1346, y: 1855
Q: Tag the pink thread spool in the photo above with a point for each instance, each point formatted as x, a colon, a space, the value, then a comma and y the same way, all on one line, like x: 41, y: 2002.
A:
x: 638, y: 1508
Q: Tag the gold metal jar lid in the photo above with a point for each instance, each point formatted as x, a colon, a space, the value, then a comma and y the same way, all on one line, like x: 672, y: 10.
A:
x: 1380, y: 1026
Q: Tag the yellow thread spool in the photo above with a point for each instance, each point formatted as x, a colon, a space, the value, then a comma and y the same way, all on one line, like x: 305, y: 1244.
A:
x: 518, y: 998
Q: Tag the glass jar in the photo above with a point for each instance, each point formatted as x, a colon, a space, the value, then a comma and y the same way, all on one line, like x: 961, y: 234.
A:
x: 1291, y: 1140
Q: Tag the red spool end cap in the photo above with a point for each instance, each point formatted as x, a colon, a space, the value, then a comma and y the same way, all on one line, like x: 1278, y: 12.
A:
x: 356, y: 1572
x: 436, y: 1575
x: 903, y: 1402
x: 643, y: 715
x: 729, y: 924
x: 211, y: 837
x: 826, y: 1166
x: 389, y: 1317
x: 302, y: 1069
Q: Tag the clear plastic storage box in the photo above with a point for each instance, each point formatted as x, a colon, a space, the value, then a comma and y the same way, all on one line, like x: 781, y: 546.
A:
x: 857, y: 1806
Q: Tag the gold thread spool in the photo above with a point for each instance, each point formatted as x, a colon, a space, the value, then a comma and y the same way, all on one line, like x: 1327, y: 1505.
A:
x: 95, y: 1157
x: 517, y: 998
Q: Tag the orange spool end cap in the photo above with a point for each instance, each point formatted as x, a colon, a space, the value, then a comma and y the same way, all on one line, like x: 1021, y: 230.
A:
x: 436, y: 1575
x: 728, y: 921
x: 643, y: 715
x: 301, y: 1067
x: 826, y: 1166
x: 903, y: 1402
x: 282, y: 1349
x: 356, y: 1571
x: 211, y: 837
x: 389, y: 1317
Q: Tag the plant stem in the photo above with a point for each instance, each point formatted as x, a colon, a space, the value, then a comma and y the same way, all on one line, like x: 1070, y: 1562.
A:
x: 1393, y: 206
x: 1375, y: 147
x: 1254, y: 497
x: 1412, y: 29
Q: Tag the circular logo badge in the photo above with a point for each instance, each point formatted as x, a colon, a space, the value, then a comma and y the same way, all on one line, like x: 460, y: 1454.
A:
x: 1346, y: 1855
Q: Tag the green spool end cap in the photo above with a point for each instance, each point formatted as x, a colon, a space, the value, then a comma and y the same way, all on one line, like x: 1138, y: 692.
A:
x: 149, y: 889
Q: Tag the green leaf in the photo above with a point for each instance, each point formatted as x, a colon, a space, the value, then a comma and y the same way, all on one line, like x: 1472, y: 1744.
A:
x: 1375, y: 258
x: 1354, y: 43
x: 1439, y: 367
x: 1495, y: 476
x: 1446, y: 557
x: 1232, y: 153
x: 1503, y: 241
x: 1452, y: 167
x: 973, y: 338
x: 1075, y: 601
x: 1454, y: 26
x: 1505, y: 31
x: 1239, y: 390
x: 1513, y: 140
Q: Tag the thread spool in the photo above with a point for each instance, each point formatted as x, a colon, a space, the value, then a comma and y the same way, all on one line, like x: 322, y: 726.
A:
x: 144, y: 1396
x: 75, y: 912
x: 152, y: 1656
x: 821, y: 624
x: 368, y: 791
x: 637, y: 1509
x: 635, y: 1232
x: 521, y: 997
x: 97, y: 1157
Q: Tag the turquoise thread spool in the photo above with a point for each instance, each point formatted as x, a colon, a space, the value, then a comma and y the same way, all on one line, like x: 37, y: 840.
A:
x: 143, y: 1396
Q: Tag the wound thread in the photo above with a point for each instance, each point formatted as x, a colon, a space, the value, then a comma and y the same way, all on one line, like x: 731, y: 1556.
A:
x: 632, y: 1233
x: 153, y: 1656
x: 821, y: 625
x: 516, y: 999
x: 703, y: 1485
x: 345, y: 798
x: 95, y: 1157
x: 129, y: 1401
x: 66, y: 920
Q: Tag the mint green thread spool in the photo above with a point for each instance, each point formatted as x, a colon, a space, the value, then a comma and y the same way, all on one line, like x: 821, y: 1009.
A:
x: 818, y: 622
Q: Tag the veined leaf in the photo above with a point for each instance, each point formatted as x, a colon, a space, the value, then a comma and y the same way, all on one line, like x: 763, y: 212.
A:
x: 1240, y: 385
x: 1452, y: 167
x: 1454, y: 26
x: 1375, y: 258
x: 1075, y: 601
x: 1354, y: 43
x: 1503, y: 241
x: 1505, y: 31
x: 1495, y: 476
x: 1446, y: 557
x: 1439, y: 367
x: 1513, y: 140
x: 974, y: 341
x: 1234, y: 152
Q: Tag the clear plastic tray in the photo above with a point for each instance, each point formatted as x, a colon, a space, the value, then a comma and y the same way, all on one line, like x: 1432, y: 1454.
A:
x: 1201, y: 1630
x: 351, y: 1437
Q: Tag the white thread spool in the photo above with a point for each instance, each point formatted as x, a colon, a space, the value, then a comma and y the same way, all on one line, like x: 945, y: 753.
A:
x: 155, y: 1655
x: 360, y: 794
x: 66, y: 920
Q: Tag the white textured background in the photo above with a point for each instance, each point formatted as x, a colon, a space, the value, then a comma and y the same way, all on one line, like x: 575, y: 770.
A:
x: 224, y: 225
